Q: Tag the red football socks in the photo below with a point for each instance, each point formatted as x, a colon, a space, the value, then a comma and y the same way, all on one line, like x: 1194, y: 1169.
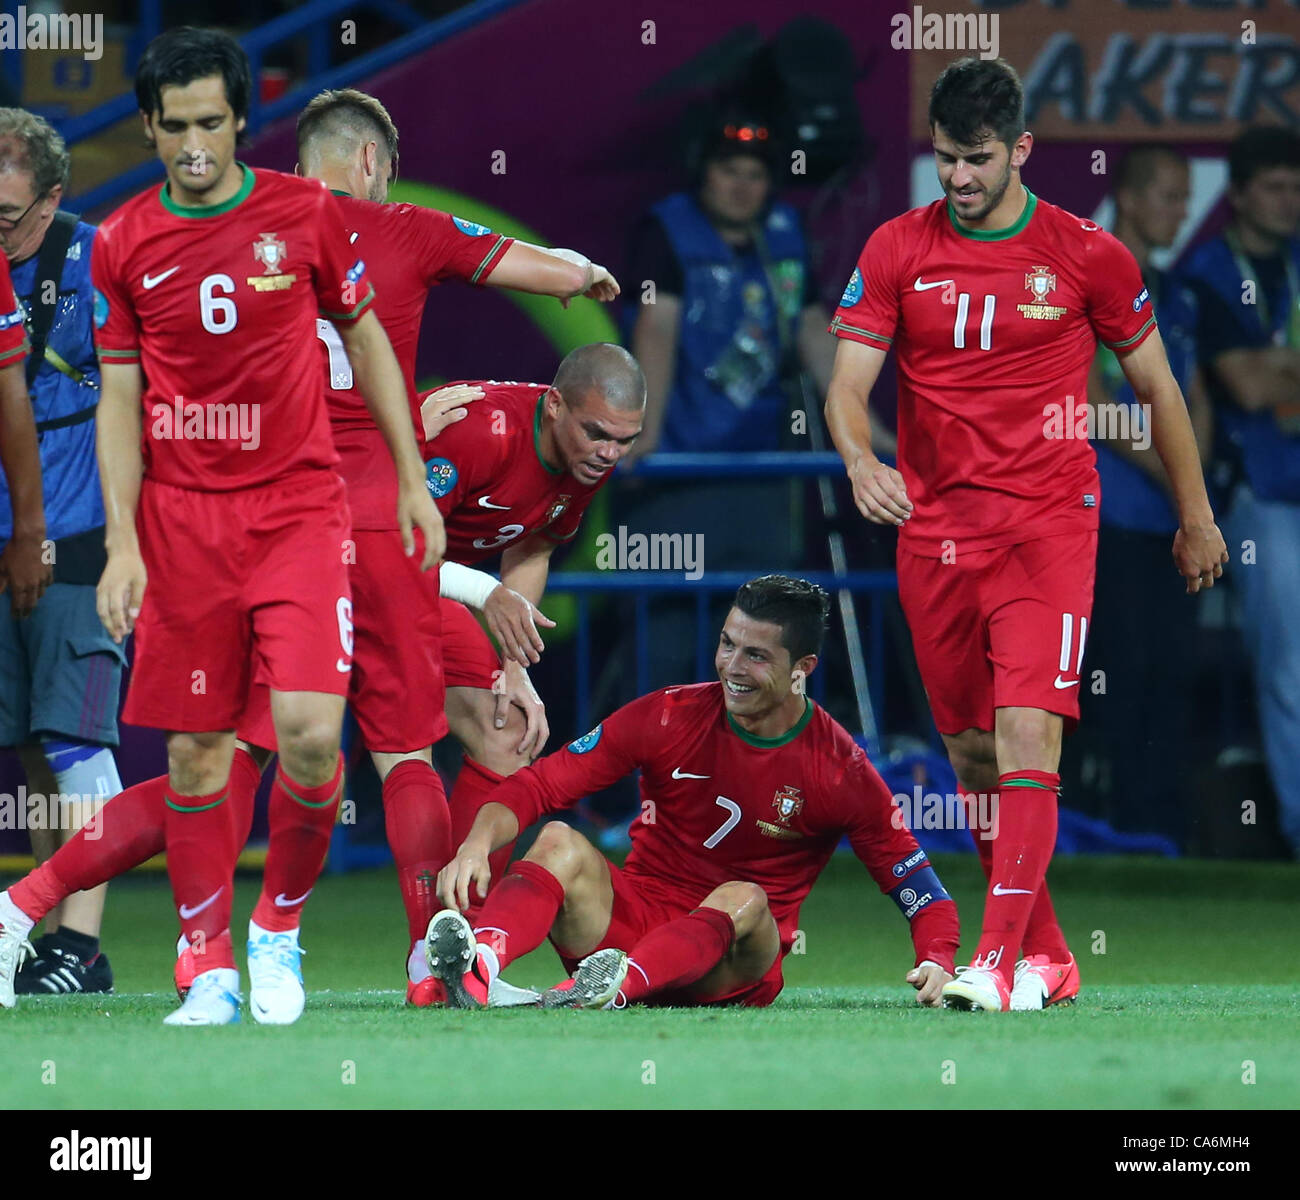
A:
x: 419, y: 835
x: 520, y: 912
x: 301, y: 820
x: 1043, y: 934
x: 474, y: 784
x: 1021, y: 851
x: 677, y: 954
x: 201, y: 853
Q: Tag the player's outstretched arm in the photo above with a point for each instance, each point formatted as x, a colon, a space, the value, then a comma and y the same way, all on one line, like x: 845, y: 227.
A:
x: 654, y: 346
x: 21, y: 568
x: 374, y: 366
x: 117, y: 448
x: 563, y: 274
x: 878, y: 489
x: 1199, y: 550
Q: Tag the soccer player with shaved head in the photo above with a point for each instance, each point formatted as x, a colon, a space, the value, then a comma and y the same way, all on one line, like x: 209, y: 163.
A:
x: 747, y: 786
x: 995, y: 301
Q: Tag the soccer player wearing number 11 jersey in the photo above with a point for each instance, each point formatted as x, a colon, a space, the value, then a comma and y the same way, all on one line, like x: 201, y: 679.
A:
x: 994, y: 301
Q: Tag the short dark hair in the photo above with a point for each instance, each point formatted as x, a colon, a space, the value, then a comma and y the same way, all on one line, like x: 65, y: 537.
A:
x: 604, y: 368
x: 1139, y: 165
x: 800, y: 608
x: 975, y: 95
x: 346, y: 111
x: 180, y: 56
x: 1259, y: 148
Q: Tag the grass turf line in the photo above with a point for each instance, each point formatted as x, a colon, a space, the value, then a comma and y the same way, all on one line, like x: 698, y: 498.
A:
x: 1189, y: 988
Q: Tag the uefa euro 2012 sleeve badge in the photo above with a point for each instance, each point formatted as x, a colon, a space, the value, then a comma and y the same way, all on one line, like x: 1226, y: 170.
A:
x: 269, y: 250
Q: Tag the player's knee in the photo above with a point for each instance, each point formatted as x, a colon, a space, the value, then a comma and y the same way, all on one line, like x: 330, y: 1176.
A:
x: 561, y: 849
x: 974, y: 759
x: 498, y: 748
x: 1028, y: 739
x: 744, y: 902
x: 308, y: 747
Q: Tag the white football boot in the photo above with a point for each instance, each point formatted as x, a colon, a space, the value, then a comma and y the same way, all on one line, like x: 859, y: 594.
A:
x: 213, y: 999
x: 276, y: 995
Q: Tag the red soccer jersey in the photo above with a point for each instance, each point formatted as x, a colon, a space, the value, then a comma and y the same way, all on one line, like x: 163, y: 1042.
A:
x: 219, y: 306
x: 488, y: 478
x: 718, y: 804
x: 995, y: 333
x: 13, y: 336
x: 407, y: 250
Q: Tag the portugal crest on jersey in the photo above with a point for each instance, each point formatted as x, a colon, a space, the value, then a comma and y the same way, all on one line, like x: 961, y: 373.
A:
x: 1041, y: 282
x: 270, y: 252
x: 556, y: 511
x: 788, y: 803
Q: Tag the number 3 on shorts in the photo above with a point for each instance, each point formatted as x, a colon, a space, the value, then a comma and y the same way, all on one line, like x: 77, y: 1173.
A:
x: 343, y: 610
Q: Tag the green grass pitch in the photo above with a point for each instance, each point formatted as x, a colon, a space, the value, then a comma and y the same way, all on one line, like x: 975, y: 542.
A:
x: 1190, y: 989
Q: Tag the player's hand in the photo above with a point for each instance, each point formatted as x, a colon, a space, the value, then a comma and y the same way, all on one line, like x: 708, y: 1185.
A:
x: 879, y: 491
x: 445, y: 407
x: 121, y: 592
x: 603, y: 286
x: 1199, y: 553
x: 928, y: 979
x: 512, y: 620
x: 24, y: 573
x: 513, y: 686
x: 415, y: 507
x: 469, y: 866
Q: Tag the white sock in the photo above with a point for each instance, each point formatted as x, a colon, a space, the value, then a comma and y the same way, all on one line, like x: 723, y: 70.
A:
x: 491, y: 963
x: 13, y: 918
x: 417, y: 969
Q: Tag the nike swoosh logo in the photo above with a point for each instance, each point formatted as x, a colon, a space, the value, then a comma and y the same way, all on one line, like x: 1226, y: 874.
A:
x: 1061, y: 684
x: 678, y: 773
x: 352, y: 239
x: 486, y: 502
x: 925, y: 287
x: 999, y: 890
x: 281, y: 901
x: 187, y: 912
x: 152, y: 281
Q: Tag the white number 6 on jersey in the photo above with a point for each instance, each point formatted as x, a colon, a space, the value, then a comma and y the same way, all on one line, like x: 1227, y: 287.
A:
x: 733, y: 819
x: 218, y: 314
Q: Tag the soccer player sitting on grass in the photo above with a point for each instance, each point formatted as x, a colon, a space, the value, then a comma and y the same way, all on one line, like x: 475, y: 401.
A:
x: 747, y: 786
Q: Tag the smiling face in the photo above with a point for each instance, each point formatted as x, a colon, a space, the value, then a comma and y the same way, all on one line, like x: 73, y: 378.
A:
x: 758, y: 677
x: 194, y: 135
x: 590, y: 435
x: 976, y: 178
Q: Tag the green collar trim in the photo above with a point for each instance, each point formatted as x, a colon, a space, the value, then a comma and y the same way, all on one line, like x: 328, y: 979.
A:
x: 996, y: 235
x: 537, y: 439
x: 336, y: 192
x: 215, y: 210
x: 771, y: 743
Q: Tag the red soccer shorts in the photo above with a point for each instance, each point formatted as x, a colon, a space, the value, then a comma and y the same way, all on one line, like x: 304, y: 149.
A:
x: 639, y: 908
x: 468, y: 657
x: 1001, y: 628
x: 244, y: 586
x: 397, y: 692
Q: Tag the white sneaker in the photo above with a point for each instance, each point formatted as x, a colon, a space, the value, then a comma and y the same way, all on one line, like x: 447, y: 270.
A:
x: 594, y: 984
x: 276, y: 995
x: 977, y: 989
x: 505, y: 995
x: 213, y: 999
x: 14, y: 946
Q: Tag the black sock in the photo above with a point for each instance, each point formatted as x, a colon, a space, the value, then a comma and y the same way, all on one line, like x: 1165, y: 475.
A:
x: 82, y: 945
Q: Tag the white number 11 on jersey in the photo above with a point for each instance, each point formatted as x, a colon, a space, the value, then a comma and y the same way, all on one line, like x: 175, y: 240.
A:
x: 986, y: 325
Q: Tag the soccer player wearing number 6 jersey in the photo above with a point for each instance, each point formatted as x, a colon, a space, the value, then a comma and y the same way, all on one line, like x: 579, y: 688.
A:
x: 209, y: 290
x: 746, y: 789
x: 995, y: 301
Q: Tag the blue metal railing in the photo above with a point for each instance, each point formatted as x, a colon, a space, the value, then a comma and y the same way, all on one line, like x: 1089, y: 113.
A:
x: 316, y: 19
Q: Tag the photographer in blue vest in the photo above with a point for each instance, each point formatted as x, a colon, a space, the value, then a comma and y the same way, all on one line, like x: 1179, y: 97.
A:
x: 60, y: 671
x: 1247, y: 287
